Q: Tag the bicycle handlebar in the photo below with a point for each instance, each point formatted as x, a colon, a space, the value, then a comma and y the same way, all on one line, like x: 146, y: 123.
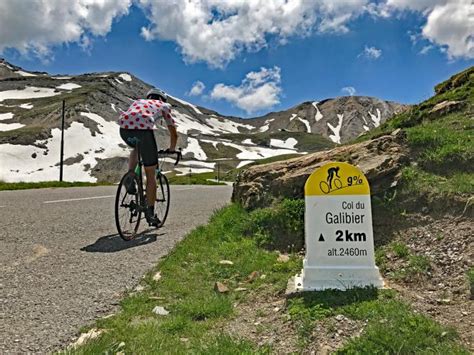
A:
x: 168, y: 152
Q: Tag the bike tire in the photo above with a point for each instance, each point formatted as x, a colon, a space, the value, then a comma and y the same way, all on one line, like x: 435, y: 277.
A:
x: 127, y: 208
x: 162, y: 203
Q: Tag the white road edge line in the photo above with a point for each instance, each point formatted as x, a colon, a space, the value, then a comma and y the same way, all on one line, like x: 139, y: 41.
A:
x: 79, y: 199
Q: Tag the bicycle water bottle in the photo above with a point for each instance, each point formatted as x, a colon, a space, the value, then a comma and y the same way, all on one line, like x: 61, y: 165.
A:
x: 137, y: 170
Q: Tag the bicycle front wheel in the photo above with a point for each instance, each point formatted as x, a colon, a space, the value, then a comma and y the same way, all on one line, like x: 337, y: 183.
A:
x: 162, y: 203
x: 127, y: 206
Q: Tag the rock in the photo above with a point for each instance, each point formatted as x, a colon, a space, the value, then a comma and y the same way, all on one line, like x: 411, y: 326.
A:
x: 340, y: 317
x: 85, y: 337
x: 220, y: 287
x: 161, y: 311
x: 325, y: 350
x: 253, y: 276
x: 139, y: 288
x: 240, y: 289
x: 283, y: 258
x: 226, y: 262
x: 446, y: 107
x: 157, y: 276
x: 380, y: 160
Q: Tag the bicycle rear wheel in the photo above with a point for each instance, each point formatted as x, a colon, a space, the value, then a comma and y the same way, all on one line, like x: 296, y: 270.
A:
x: 127, y: 206
x: 162, y: 203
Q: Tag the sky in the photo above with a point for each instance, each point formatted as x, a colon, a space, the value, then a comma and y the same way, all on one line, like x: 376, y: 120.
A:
x: 248, y: 57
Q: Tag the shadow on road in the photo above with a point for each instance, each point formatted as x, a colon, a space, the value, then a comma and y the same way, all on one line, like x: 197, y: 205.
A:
x: 113, y: 243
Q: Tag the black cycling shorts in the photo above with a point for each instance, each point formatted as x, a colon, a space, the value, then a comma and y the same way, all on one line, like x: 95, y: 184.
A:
x: 147, y: 143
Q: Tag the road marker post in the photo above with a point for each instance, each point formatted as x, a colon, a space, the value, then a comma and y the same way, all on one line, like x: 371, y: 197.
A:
x: 338, y: 231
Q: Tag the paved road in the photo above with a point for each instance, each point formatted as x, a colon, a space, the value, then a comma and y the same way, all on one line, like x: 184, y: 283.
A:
x: 63, y: 265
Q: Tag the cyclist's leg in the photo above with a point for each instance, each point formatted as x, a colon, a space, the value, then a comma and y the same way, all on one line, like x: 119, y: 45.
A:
x: 150, y: 172
x: 126, y: 134
x: 149, y: 153
x: 133, y: 159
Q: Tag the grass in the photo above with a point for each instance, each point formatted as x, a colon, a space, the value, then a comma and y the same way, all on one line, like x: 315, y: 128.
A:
x: 198, y: 313
x: 392, y: 327
x: 441, y: 148
x: 46, y: 184
x: 186, y: 289
x: 412, y: 266
x: 194, y: 179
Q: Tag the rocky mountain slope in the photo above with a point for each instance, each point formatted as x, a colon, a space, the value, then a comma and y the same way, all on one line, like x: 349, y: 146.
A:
x: 30, y: 121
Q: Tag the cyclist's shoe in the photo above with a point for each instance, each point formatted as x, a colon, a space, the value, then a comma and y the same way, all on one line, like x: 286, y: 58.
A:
x: 130, y: 184
x: 151, y: 217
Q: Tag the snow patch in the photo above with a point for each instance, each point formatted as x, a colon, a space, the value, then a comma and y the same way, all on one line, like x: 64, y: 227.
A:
x: 68, y: 86
x: 185, y: 123
x: 293, y: 116
x: 125, y: 77
x: 244, y: 163
x: 10, y: 126
x: 306, y: 123
x: 187, y: 104
x: 318, y: 115
x: 24, y: 73
x: 288, y: 144
x: 197, y: 163
x: 27, y: 106
x: 336, y: 136
x: 194, y: 148
x: 186, y: 171
x: 266, y: 126
x: 375, y: 118
x: 6, y: 116
x: 30, y: 92
x: 62, y: 77
x: 227, y: 125
x: 113, y: 107
x: 248, y: 141
x: 366, y: 128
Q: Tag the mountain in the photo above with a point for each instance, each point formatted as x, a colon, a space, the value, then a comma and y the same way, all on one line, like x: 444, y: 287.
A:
x: 30, y: 122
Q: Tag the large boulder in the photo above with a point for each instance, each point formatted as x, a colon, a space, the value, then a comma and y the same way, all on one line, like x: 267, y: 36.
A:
x: 380, y: 159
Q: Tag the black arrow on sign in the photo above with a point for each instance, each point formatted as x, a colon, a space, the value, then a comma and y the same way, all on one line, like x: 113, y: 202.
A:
x: 321, y: 238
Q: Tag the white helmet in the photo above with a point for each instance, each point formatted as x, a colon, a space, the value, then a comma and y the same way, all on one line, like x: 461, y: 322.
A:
x: 157, y: 92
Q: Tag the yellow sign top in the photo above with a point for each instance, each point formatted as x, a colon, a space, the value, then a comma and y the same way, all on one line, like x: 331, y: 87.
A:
x: 337, y: 179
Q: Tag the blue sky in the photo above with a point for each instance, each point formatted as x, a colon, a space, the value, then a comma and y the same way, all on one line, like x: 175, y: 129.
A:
x: 374, y: 55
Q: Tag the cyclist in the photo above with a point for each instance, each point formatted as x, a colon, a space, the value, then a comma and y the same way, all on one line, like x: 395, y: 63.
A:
x: 138, y: 123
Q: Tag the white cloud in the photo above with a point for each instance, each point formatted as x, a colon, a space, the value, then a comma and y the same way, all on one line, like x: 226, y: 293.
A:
x: 216, y: 31
x: 370, y: 53
x: 259, y: 90
x: 36, y: 25
x: 449, y: 23
x: 426, y: 49
x: 197, y: 89
x: 349, y: 90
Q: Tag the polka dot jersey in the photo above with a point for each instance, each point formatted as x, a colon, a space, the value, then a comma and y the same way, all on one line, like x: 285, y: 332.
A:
x: 143, y: 114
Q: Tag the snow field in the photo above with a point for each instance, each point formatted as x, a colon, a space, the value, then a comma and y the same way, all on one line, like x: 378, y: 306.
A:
x: 30, y: 92
x: 336, y: 136
x: 288, y: 144
x: 68, y: 86
x: 19, y: 165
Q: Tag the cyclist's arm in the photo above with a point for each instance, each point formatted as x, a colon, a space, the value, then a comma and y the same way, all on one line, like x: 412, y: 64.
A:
x: 173, y: 137
x: 171, y: 127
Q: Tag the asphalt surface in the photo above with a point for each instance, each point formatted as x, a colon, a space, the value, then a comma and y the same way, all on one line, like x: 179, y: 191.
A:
x: 63, y: 264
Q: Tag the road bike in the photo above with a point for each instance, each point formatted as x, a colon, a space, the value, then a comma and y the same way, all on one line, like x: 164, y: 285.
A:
x: 130, y: 200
